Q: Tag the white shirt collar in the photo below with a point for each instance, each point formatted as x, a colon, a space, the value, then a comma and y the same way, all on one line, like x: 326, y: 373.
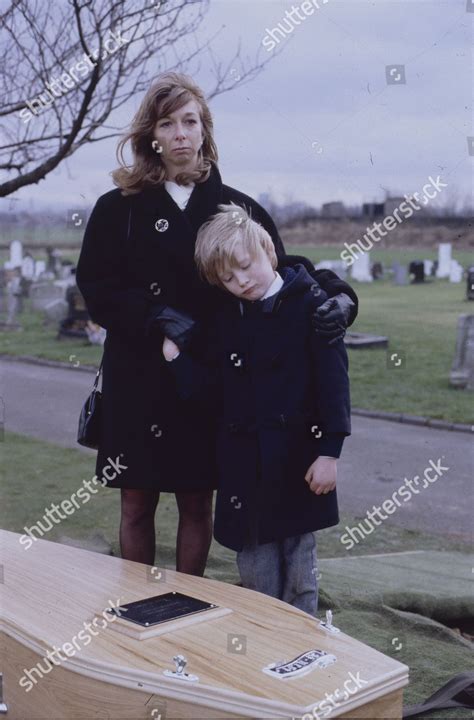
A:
x: 274, y: 287
x: 179, y: 193
x: 272, y: 290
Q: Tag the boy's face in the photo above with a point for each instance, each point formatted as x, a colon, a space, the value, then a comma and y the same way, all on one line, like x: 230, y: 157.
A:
x: 248, y: 277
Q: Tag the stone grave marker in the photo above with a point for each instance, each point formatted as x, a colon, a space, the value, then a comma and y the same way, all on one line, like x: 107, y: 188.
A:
x: 361, y: 268
x: 43, y: 293
x: 16, y: 253
x: 55, y: 311
x: 462, y: 370
x: 470, y: 284
x: 400, y: 274
x: 444, y: 260
x: 455, y: 272
x: 337, y: 266
x: 429, y: 265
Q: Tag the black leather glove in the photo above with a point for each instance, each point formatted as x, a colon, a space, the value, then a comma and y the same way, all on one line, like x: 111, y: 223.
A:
x: 176, y: 325
x: 331, y: 318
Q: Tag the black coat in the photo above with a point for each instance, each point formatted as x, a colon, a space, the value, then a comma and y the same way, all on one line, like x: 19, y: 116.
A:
x: 145, y: 424
x: 281, y: 396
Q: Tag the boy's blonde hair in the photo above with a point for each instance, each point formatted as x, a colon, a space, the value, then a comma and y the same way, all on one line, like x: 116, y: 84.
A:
x: 218, y: 236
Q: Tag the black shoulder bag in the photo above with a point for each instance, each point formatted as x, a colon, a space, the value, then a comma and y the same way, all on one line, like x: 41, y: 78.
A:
x: 88, y: 433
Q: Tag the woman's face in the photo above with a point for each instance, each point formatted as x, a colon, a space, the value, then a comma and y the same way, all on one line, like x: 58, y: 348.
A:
x: 180, y: 136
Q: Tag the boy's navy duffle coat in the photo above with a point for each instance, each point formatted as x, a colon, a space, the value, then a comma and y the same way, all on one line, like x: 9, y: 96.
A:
x: 281, y: 396
x: 138, y: 254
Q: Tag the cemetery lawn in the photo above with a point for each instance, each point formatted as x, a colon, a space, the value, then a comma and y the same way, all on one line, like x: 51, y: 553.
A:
x: 38, y: 474
x: 419, y: 320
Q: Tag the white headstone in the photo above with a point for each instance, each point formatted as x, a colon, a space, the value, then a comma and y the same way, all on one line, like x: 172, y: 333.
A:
x: 16, y: 253
x: 444, y: 260
x: 28, y: 267
x: 40, y: 267
x: 455, y: 272
x: 361, y: 268
x: 337, y: 266
x: 428, y: 267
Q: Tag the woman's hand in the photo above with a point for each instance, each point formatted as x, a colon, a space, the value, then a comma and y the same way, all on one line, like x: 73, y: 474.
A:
x: 170, y: 349
x: 322, y: 474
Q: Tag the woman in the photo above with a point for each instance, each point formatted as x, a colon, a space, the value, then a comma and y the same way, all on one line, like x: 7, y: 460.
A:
x: 137, y: 258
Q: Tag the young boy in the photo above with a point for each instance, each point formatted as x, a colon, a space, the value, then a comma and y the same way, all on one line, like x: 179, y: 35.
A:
x: 281, y: 398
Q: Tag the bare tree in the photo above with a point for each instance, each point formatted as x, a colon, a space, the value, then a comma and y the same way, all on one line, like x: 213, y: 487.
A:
x: 68, y: 64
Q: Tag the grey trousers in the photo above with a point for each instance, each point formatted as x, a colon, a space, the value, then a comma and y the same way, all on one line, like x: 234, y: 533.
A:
x: 286, y: 569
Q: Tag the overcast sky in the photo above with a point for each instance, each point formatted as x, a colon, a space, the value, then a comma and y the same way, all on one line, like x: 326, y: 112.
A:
x: 320, y: 122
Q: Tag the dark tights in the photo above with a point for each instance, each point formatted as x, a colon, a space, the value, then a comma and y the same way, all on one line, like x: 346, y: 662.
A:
x: 137, y: 528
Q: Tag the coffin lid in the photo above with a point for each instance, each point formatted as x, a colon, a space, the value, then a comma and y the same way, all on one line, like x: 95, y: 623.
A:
x: 51, y: 590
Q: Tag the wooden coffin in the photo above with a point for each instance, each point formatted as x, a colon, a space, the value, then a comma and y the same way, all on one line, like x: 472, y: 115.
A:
x: 50, y: 590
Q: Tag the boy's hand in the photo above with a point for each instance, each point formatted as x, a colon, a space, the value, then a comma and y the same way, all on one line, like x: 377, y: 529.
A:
x: 322, y: 474
x: 170, y: 349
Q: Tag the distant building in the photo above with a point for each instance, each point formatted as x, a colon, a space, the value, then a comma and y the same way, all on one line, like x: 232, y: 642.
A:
x: 376, y: 210
x: 333, y: 210
x: 391, y: 203
x: 372, y: 210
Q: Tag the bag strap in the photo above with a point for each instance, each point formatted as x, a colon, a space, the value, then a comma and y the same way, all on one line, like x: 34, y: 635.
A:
x: 129, y: 225
x: 458, y: 692
x: 96, y: 381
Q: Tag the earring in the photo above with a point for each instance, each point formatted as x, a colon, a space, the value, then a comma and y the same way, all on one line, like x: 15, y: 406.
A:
x: 157, y: 147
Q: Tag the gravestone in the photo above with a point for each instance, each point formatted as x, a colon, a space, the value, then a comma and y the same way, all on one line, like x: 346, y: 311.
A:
x: 417, y: 269
x: 429, y: 265
x: 40, y: 268
x: 400, y: 274
x: 470, y: 284
x: 455, y: 272
x: 361, y: 268
x: 74, y: 325
x: 28, y: 267
x: 55, y: 311
x: 13, y: 292
x: 377, y: 270
x: 444, y: 260
x: 43, y: 293
x: 16, y: 253
x: 462, y: 371
x: 67, y: 271
x: 54, y: 261
x: 3, y: 290
x: 356, y: 340
x: 337, y: 266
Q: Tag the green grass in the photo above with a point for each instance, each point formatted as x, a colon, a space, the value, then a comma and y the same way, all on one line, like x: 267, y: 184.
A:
x: 419, y: 320
x: 41, y: 341
x: 37, y: 473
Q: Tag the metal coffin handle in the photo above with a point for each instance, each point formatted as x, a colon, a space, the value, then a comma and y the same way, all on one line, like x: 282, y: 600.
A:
x: 3, y: 706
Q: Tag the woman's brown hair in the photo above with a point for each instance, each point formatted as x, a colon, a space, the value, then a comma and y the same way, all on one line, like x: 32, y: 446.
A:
x: 168, y: 93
